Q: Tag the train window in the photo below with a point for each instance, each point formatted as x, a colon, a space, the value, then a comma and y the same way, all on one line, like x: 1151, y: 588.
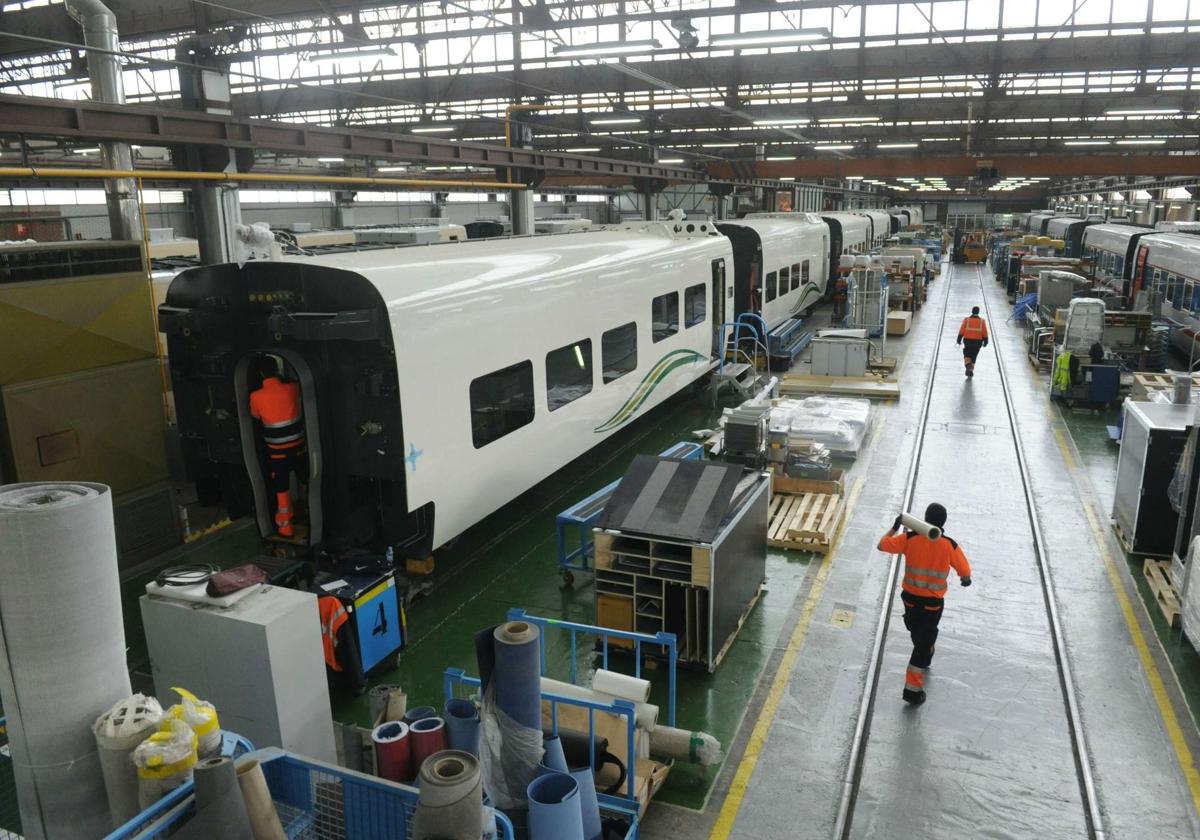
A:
x: 568, y: 373
x: 785, y: 274
x: 618, y: 351
x: 796, y: 275
x: 501, y: 402
x: 694, y: 303
x: 771, y: 285
x: 664, y: 316
x: 1119, y: 266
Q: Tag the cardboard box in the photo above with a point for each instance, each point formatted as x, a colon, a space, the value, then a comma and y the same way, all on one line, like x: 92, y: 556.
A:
x: 899, y: 323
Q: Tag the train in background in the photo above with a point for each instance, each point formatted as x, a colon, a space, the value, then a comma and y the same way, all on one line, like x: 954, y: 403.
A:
x: 440, y: 382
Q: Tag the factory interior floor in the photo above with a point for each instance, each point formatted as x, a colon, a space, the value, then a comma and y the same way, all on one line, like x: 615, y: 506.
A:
x: 785, y: 700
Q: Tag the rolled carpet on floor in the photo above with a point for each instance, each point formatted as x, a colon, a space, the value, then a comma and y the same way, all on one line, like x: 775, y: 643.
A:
x: 462, y: 725
x: 62, y: 651
x: 393, y: 751
x: 118, y: 733
x: 451, y: 802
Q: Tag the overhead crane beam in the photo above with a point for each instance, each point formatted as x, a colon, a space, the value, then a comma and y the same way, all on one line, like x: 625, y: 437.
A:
x: 945, y: 166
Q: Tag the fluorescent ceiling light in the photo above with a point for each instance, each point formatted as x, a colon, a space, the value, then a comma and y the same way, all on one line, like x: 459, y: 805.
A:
x: 766, y: 38
x: 782, y: 157
x: 787, y: 178
x: 331, y: 160
x: 670, y: 160
x: 719, y: 145
x: 1085, y: 142
x: 837, y: 148
x: 350, y: 55
x: 854, y: 177
x: 897, y: 145
x: 1138, y: 112
x: 431, y: 129
x: 849, y: 119
x: 582, y: 149
x: 1137, y: 142
x: 392, y: 169
x: 616, y: 121
x: 782, y: 121
x: 93, y: 150
x: 606, y: 48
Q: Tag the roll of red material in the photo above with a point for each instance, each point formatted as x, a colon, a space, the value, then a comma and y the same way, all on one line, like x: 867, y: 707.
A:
x: 393, y: 751
x: 428, y: 737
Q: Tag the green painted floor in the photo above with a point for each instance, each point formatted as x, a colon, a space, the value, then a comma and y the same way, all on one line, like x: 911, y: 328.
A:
x: 1099, y: 459
x: 510, y: 560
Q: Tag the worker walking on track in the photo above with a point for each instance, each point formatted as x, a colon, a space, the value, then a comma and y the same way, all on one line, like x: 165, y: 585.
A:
x: 972, y: 335
x: 927, y: 565
x: 277, y: 406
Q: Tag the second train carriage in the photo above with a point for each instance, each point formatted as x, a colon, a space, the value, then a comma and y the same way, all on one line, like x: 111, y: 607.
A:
x: 849, y: 233
x: 1112, y: 248
x: 1169, y: 264
x: 881, y: 226
x: 781, y: 264
x: 1070, y: 230
x: 439, y: 383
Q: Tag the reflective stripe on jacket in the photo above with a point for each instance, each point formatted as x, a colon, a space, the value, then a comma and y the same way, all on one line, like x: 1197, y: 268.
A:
x: 973, y: 328
x: 333, y: 616
x: 927, y: 563
x: 277, y: 405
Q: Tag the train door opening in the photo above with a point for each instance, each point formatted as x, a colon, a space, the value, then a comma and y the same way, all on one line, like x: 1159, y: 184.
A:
x: 1139, y: 277
x: 747, y: 269
x: 280, y: 430
x: 718, y: 303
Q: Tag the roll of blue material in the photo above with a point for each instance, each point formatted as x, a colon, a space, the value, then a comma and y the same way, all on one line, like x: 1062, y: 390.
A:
x: 554, y: 758
x: 462, y: 725
x: 589, y: 806
x: 554, y: 808
x: 419, y: 713
x: 518, y: 673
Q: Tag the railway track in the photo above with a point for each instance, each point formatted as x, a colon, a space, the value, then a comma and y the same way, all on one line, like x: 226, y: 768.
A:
x: 860, y: 756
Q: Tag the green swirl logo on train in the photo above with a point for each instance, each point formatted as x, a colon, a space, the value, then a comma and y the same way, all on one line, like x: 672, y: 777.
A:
x: 668, y: 363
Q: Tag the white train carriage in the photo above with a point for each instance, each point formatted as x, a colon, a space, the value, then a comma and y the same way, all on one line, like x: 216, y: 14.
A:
x: 1038, y: 221
x: 1113, y: 248
x: 781, y: 264
x: 440, y: 383
x: 881, y: 226
x: 849, y: 233
x: 1169, y: 264
x: 1070, y: 230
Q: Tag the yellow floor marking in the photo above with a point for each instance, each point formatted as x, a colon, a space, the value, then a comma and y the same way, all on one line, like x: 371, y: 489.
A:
x: 1066, y: 450
x: 766, y: 716
x: 1183, y: 753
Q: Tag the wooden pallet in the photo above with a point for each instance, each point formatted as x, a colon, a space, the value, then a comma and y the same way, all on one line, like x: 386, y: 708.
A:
x: 1158, y: 576
x: 805, y: 521
x: 1145, y: 383
x: 874, y: 387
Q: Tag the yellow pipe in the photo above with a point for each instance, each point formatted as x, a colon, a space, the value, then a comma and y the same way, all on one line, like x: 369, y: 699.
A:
x: 260, y: 177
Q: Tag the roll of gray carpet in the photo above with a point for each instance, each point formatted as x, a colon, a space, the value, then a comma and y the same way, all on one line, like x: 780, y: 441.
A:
x: 451, y: 802
x: 62, y: 650
x: 220, y: 809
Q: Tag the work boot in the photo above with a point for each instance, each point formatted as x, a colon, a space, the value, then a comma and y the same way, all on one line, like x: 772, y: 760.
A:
x: 914, y: 698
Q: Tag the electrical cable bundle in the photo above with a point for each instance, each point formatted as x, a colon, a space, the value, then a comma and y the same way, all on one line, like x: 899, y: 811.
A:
x: 188, y: 574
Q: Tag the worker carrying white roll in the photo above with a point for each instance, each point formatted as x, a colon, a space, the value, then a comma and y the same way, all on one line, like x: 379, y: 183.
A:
x: 920, y: 526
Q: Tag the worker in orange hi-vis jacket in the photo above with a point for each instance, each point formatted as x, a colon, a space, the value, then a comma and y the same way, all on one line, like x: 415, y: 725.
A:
x: 972, y: 335
x: 927, y: 565
x: 277, y: 405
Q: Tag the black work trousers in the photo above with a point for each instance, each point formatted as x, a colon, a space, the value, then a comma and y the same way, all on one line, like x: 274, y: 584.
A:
x: 971, y: 349
x: 284, y: 462
x: 921, y: 617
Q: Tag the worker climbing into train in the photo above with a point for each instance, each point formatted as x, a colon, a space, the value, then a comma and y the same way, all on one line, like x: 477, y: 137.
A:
x: 927, y: 564
x: 972, y: 335
x: 277, y: 405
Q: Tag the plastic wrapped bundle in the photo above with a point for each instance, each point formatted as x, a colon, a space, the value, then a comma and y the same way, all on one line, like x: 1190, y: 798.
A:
x: 682, y: 745
x: 510, y: 736
x: 201, y: 716
x: 118, y: 733
x: 839, y: 424
x: 164, y: 761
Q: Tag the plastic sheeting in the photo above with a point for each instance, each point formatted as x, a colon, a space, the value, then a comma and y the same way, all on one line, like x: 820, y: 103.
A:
x: 62, y: 650
x: 510, y: 737
x: 1190, y: 595
x: 839, y: 424
x: 683, y: 745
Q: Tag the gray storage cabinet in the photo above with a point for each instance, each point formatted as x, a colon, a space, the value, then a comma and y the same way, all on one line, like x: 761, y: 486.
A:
x: 260, y: 662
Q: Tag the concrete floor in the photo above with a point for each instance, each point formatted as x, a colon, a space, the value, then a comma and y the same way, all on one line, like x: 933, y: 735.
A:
x: 964, y: 759
x: 989, y: 753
